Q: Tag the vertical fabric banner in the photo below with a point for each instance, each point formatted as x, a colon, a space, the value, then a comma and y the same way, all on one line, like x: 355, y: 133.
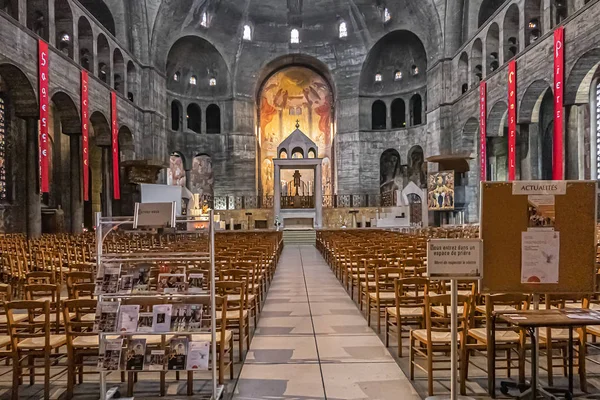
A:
x: 44, y: 63
x: 558, y: 146
x: 115, y: 146
x: 482, y: 131
x: 85, y: 134
x: 512, y: 119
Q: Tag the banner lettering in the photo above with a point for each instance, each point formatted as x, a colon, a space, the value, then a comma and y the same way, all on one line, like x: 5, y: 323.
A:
x: 115, y: 147
x: 85, y: 134
x: 43, y: 63
x: 559, y: 60
x: 512, y: 119
x: 482, y: 131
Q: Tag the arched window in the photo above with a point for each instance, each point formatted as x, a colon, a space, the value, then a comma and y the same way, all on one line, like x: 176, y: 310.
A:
x: 414, y: 70
x: 213, y: 119
x: 343, y: 30
x: 247, y: 35
x: 398, y: 75
x: 86, y: 43
x: 2, y: 148
x: 103, y: 59
x: 378, y: 115
x: 534, y: 30
x: 131, y: 81
x: 560, y: 11
x: 176, y: 76
x: 194, y: 118
x: 386, y: 15
x: 378, y: 78
x: 212, y: 82
x: 294, y: 36
x: 204, y: 21
x: 175, y: 115
x: 416, y: 110
x: 398, y: 111
x: 193, y: 80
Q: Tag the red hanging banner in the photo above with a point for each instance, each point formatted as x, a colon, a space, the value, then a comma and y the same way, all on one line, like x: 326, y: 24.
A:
x: 482, y: 131
x: 85, y: 134
x: 512, y: 119
x: 44, y: 62
x: 559, y: 61
x: 115, y: 147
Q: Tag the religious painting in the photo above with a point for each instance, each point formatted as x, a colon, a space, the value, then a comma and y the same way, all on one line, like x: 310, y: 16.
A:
x: 295, y: 95
x: 201, y: 176
x: 390, y: 176
x: 441, y: 191
x: 176, y: 171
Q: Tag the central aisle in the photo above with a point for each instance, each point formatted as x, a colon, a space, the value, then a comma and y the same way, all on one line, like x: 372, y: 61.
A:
x: 313, y: 343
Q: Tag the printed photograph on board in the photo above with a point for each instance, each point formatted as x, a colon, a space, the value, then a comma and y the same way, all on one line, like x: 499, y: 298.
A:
x: 441, y: 191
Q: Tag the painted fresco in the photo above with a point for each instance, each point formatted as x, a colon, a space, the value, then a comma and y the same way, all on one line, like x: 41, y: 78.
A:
x: 201, y: 176
x: 441, y: 191
x: 290, y: 95
x: 176, y: 171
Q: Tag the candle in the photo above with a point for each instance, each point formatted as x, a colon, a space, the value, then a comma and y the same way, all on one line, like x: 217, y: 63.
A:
x: 363, y: 222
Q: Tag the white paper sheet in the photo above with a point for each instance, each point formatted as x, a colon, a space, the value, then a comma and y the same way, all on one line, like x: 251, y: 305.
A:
x: 539, y: 257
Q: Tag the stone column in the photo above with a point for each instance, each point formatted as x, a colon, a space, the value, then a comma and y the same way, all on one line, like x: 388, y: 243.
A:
x: 547, y: 23
x: 76, y: 185
x: 106, y: 182
x: 318, y: 197
x: 51, y: 21
x: 34, y: 204
x: 277, y: 192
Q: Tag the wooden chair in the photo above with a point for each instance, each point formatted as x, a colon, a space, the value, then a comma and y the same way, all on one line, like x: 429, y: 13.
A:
x: 384, y: 294
x: 31, y: 339
x: 436, y: 338
x: 409, y: 308
x: 50, y: 292
x: 237, y: 309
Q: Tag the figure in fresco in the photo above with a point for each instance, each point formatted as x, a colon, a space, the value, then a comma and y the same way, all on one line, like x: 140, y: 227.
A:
x: 416, y: 171
x: 390, y: 177
x: 267, y: 177
x: 176, y: 172
x: 295, y: 93
x: 201, y: 176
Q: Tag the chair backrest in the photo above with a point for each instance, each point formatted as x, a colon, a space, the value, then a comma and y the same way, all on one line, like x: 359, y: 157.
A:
x: 29, y: 328
x: 235, y: 292
x: 385, y: 278
x: 40, y: 277
x: 76, y: 323
x: 84, y: 291
x: 441, y: 321
x: 77, y: 277
x: 411, y: 292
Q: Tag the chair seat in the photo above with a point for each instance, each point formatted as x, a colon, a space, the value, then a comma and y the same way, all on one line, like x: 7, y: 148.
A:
x: 41, y: 318
x: 439, y: 310
x: 501, y: 336
x: 406, y: 312
x: 205, y: 337
x: 40, y: 342
x: 232, y: 314
x: 437, y: 338
x: 498, y: 308
x: 4, y: 341
x: 385, y: 296
x: 88, y: 317
x: 236, y: 297
x: 556, y: 334
x: 593, y: 330
x: 16, y: 318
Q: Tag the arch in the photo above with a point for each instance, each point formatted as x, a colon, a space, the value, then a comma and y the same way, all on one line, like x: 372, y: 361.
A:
x: 297, y: 152
x: 176, y: 173
x: 378, y: 115
x: 477, y: 60
x: 463, y: 71
x: 103, y: 59
x: 213, y: 119
x: 20, y: 91
x: 533, y: 21
x: 398, y: 111
x: 63, y: 20
x: 126, y: 144
x: 492, y: 46
x: 101, y: 12
x: 510, y: 31
x: 132, y: 86
x: 67, y: 112
x: 283, y: 154
x: 487, y: 9
x: 416, y: 110
x: 390, y: 176
x: 312, y: 153
x: 37, y: 18
x: 100, y: 128
x: 195, y: 56
x: 580, y: 78
x: 398, y: 50
x: 560, y: 11
x: 416, y: 164
x: 119, y: 71
x: 530, y: 101
x: 496, y: 120
x: 176, y: 113
x: 194, y: 118
x: 85, y: 38
x: 468, y: 142
x: 11, y: 7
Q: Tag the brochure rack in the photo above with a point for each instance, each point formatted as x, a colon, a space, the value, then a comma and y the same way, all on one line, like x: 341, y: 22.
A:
x: 108, y: 226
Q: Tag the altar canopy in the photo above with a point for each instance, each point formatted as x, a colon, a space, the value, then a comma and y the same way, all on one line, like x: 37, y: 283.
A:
x: 295, y: 95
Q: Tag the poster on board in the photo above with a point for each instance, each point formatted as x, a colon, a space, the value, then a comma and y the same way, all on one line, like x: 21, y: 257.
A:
x: 540, y: 256
x: 440, y: 192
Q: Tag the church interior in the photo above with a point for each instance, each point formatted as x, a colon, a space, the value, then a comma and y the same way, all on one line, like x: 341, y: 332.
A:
x: 299, y: 199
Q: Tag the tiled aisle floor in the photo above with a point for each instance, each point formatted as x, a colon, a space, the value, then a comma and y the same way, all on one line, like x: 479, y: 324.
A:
x: 312, y: 342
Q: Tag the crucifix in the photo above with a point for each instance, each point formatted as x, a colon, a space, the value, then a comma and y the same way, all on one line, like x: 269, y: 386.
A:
x: 297, y: 180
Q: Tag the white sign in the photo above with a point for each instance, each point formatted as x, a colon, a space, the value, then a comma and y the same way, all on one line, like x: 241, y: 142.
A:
x: 454, y: 258
x: 154, y: 215
x: 540, y: 256
x: 539, y: 187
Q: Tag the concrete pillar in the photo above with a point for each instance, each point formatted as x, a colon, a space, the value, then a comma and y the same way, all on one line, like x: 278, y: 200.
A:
x: 524, y: 153
x: 388, y: 116
x: 52, y: 24
x: 547, y: 23
x: 106, y: 182
x: 277, y: 192
x: 76, y: 186
x: 23, y: 12
x: 535, y: 164
x: 34, y: 205
x: 319, y: 197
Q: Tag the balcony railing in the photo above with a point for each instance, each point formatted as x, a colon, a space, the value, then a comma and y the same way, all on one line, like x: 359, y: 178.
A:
x: 297, y: 202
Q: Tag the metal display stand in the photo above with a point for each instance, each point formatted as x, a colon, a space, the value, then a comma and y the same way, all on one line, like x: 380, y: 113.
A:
x: 106, y: 225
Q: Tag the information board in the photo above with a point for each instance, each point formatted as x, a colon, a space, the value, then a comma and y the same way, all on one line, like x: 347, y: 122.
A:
x: 454, y: 258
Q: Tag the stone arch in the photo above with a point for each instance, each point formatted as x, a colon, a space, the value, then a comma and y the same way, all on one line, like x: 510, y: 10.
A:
x: 496, y: 119
x: 487, y: 9
x: 531, y: 101
x: 11, y: 7
x: 21, y: 91
x: 510, y: 32
x: 463, y: 72
x: 469, y: 137
x: 102, y: 13
x: 213, y: 119
x: 103, y: 59
x: 416, y: 110
x: 194, y: 118
x: 580, y: 78
x: 176, y: 174
x: 126, y: 144
x: 85, y: 38
x: 398, y: 113
x: 67, y: 112
x: 378, y: 115
x: 202, y: 176
x: 416, y: 163
x: 477, y: 60
x: 63, y: 18
x: 119, y: 71
x: 533, y: 21
x: 176, y: 115
x: 492, y: 46
x: 38, y: 18
x: 100, y: 129
x: 132, y: 85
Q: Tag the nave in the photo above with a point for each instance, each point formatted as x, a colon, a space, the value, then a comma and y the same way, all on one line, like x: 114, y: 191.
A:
x: 312, y: 342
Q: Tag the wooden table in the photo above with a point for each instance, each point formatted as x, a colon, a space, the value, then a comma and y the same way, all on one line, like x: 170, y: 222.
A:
x: 530, y: 320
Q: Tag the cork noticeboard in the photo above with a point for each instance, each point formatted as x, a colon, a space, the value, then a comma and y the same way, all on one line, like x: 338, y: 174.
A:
x: 504, y: 217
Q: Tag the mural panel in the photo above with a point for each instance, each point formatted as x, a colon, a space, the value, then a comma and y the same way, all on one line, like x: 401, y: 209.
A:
x: 441, y: 191
x: 390, y: 176
x: 295, y: 94
x: 201, y: 176
x: 176, y: 171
